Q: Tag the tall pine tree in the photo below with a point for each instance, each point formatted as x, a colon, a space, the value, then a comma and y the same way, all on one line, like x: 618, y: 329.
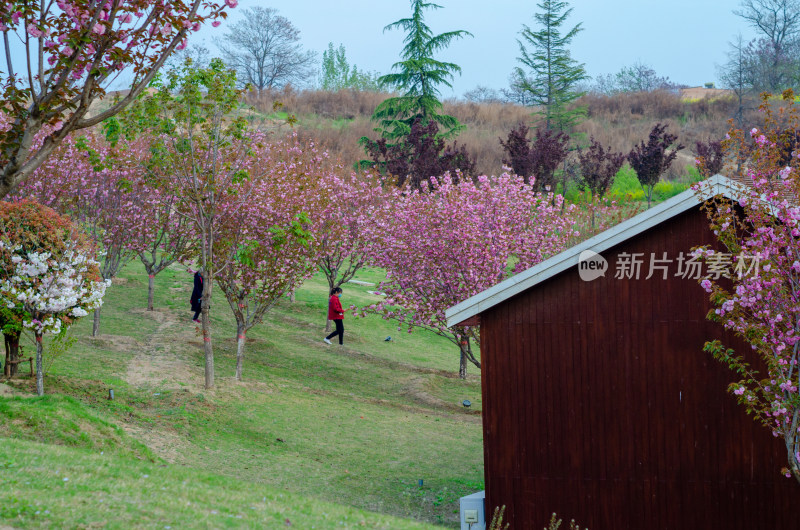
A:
x: 550, y: 75
x: 418, y: 77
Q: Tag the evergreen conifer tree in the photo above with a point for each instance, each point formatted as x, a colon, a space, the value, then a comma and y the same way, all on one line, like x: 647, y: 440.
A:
x: 550, y: 75
x: 417, y: 78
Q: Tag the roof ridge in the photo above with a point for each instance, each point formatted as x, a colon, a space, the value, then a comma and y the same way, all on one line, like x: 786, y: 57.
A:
x: 716, y: 185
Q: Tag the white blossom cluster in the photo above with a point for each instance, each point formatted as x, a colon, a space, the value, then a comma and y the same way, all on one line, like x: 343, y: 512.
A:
x: 49, y: 288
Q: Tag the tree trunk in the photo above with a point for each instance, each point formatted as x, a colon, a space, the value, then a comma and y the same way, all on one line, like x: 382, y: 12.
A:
x: 740, y: 111
x: 291, y: 297
x: 791, y: 449
x: 205, y: 319
x: 208, y: 350
x: 96, y: 323
x: 466, y: 355
x: 12, y: 354
x: 39, y: 367
x: 331, y: 285
x: 462, y: 369
x: 240, y: 338
x: 151, y: 287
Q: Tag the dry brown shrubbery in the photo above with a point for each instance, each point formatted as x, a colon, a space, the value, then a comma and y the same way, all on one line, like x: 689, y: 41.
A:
x: 624, y: 119
x: 345, y: 104
x: 485, y: 124
x: 341, y: 141
x: 337, y: 120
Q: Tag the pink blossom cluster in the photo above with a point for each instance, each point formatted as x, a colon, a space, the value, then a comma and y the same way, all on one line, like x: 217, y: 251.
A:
x: 449, y: 241
x: 270, y: 242
x: 264, y: 214
x: 82, y: 36
x: 103, y: 189
x: 763, y: 308
x: 268, y: 234
x: 348, y: 225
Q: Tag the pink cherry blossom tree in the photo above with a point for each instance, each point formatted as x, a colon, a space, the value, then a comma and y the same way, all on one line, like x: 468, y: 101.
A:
x: 73, y: 50
x: 446, y: 242
x: 268, y: 244
x: 87, y: 179
x: 347, y: 225
x: 168, y: 239
x: 162, y: 236
x: 760, y: 302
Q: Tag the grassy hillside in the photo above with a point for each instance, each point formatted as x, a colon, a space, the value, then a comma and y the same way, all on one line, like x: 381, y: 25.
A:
x: 357, y: 426
x: 57, y: 487
x: 61, y: 420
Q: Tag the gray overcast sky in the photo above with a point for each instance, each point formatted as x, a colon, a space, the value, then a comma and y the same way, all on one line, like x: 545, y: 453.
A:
x: 680, y: 39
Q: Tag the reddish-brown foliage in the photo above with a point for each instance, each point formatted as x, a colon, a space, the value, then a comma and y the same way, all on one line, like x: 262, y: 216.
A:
x: 420, y: 156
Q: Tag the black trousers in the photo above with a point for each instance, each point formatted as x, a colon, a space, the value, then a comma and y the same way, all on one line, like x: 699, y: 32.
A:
x: 339, y: 331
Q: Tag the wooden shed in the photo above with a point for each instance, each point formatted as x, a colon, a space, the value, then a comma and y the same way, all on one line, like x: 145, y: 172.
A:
x: 599, y: 403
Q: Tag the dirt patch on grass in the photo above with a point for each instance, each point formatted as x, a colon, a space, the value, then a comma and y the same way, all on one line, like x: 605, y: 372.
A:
x: 415, y: 389
x: 159, y: 368
x: 163, y: 443
x: 159, y: 314
x: 9, y: 391
x: 120, y: 343
x: 157, y: 363
x: 394, y: 365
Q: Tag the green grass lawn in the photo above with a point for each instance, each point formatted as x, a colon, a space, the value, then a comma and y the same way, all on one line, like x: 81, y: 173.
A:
x: 357, y: 426
x: 47, y: 486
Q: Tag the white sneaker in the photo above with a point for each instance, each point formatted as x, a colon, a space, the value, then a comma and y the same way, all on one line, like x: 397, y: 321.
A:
x: 326, y: 341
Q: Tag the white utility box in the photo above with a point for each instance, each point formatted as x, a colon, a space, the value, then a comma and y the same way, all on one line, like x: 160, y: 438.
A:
x: 472, y: 511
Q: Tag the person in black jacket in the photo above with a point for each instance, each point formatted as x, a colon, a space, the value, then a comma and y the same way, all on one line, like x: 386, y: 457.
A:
x: 197, y: 295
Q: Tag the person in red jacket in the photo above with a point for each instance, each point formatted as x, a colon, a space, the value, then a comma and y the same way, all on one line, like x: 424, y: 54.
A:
x: 336, y: 313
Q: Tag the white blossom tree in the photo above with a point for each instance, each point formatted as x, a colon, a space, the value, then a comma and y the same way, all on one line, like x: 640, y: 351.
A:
x: 51, y: 279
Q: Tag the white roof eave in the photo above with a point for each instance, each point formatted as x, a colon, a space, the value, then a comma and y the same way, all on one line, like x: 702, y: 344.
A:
x: 475, y: 305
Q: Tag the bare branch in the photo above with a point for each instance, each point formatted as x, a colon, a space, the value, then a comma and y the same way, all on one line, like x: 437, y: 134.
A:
x: 263, y: 48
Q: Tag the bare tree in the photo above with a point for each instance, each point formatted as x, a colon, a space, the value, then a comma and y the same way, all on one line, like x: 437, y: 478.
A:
x: 263, y: 49
x: 772, y: 69
x: 516, y: 93
x: 778, y: 23
x: 777, y: 20
x: 640, y: 77
x: 605, y: 84
x: 737, y: 75
x: 198, y: 53
x: 482, y: 94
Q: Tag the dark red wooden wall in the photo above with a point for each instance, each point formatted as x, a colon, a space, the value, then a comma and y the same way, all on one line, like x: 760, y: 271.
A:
x: 599, y: 404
